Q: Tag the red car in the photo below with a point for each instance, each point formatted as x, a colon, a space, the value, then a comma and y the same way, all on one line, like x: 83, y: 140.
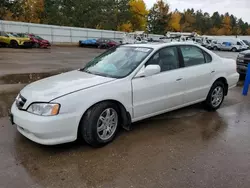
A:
x: 106, y: 43
x: 39, y: 42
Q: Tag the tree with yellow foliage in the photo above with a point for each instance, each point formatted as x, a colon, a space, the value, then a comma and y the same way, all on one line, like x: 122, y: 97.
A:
x: 32, y: 10
x: 127, y: 27
x: 226, y: 25
x: 174, y: 23
x: 139, y: 14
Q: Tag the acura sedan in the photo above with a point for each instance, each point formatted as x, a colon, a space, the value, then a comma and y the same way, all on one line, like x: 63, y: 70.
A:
x: 123, y: 85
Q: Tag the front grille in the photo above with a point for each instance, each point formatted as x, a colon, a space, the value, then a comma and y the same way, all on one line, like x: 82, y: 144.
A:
x: 246, y: 61
x: 20, y: 101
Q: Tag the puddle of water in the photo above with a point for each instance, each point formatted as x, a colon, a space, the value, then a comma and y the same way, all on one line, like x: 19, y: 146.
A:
x: 27, y: 77
x: 6, y: 100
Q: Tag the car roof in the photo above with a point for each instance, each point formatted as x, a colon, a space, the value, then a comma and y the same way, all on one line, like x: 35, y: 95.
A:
x: 158, y: 45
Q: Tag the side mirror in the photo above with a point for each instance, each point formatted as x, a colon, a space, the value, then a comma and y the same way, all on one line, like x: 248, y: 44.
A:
x: 150, y: 70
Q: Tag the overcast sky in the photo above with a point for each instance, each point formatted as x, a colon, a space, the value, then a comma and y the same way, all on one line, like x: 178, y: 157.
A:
x: 239, y: 8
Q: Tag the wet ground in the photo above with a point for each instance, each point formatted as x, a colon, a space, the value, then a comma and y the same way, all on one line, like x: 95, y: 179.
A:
x: 16, y: 61
x: 185, y: 148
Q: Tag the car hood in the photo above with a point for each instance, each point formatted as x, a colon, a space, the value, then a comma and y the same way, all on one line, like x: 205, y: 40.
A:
x: 44, y: 41
x: 53, y: 87
x: 245, y: 52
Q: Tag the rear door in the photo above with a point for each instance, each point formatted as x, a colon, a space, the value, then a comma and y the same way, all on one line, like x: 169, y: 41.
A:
x: 198, y: 73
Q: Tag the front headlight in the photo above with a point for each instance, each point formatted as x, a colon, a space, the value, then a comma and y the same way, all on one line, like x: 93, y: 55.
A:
x: 241, y: 56
x: 44, y: 109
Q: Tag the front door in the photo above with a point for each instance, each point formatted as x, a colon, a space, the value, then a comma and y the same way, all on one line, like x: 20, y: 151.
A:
x: 158, y: 93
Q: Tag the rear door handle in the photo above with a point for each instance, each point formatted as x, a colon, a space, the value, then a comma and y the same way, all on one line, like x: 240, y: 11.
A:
x: 179, y: 79
x: 213, y: 71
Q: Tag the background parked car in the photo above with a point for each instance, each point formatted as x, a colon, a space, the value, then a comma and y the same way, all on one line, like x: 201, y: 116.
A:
x: 88, y: 43
x: 106, y: 43
x: 99, y: 43
x: 37, y: 41
x: 7, y: 39
x: 242, y: 62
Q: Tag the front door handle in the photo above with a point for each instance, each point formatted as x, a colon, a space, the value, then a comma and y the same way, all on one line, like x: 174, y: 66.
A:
x: 179, y: 79
x: 213, y: 71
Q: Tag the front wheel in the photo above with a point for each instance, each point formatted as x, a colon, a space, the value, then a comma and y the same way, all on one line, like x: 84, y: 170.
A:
x: 215, y: 48
x: 215, y: 96
x: 14, y: 44
x: 100, y: 124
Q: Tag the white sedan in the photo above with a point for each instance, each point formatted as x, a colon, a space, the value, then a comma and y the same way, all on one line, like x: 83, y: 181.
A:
x: 123, y: 85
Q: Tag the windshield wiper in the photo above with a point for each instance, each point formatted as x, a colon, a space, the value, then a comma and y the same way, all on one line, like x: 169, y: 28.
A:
x: 96, y: 73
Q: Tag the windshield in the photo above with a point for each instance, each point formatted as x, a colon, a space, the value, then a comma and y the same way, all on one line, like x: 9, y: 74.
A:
x: 246, y: 42
x: 117, y: 62
x: 242, y: 43
x: 10, y: 35
x: 39, y: 38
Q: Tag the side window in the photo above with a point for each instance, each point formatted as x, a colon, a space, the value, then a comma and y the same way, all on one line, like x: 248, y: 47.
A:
x: 192, y: 55
x: 166, y: 58
x: 238, y: 43
x: 208, y: 57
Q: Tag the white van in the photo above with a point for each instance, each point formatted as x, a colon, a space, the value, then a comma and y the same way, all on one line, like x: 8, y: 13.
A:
x: 230, y: 44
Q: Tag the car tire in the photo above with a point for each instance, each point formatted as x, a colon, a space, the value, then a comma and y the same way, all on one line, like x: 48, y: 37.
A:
x: 215, y: 96
x: 36, y: 45
x: 234, y: 50
x: 100, y: 116
x: 215, y: 48
x: 14, y: 44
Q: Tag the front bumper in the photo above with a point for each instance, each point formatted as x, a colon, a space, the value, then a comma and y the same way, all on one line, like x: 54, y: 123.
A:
x: 51, y: 130
x: 27, y: 44
x: 242, y: 65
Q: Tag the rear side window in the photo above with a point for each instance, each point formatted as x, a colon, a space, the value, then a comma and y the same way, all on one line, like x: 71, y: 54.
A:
x: 208, y: 57
x: 192, y: 56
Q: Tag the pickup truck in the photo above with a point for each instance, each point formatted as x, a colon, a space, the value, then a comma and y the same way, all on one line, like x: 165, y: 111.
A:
x: 242, y: 61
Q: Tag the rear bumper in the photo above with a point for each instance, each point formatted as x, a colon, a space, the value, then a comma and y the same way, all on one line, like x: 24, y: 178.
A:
x: 232, y: 80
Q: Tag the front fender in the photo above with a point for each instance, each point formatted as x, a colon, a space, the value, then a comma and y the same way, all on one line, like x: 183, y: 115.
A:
x: 79, y: 102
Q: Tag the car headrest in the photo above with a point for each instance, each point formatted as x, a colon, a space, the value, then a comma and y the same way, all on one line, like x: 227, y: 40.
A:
x: 165, y: 53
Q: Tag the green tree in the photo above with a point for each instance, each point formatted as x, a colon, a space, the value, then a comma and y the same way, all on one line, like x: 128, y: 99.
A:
x: 158, y: 18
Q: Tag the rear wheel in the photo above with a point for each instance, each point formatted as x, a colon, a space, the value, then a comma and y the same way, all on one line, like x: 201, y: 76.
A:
x: 100, y: 124
x: 234, y: 49
x: 215, y: 96
x: 36, y: 45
